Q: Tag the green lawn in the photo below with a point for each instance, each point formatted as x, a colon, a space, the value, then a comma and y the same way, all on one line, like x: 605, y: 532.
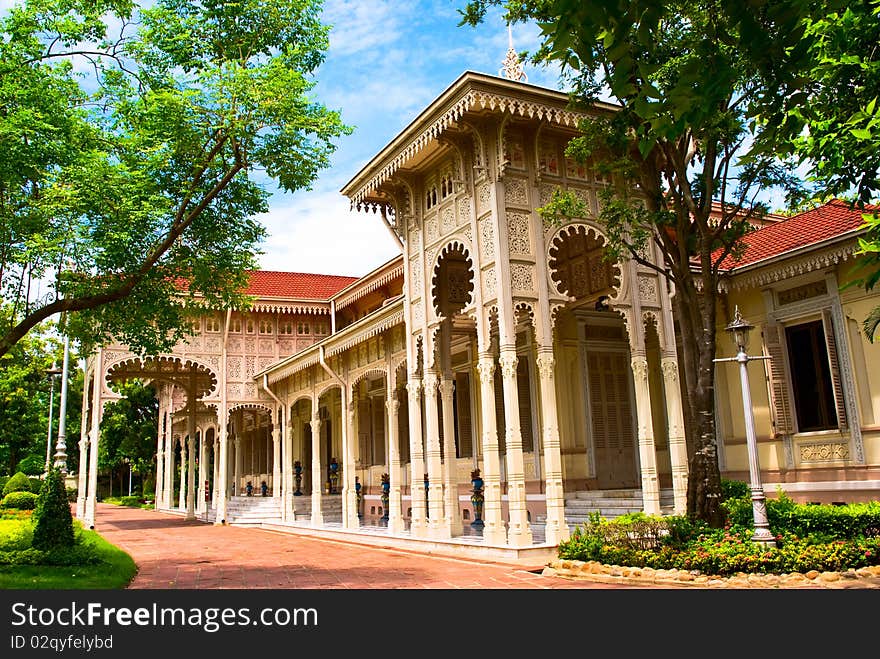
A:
x: 115, y: 568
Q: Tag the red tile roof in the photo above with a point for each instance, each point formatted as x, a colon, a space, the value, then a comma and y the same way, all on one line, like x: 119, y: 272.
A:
x: 808, y: 228
x: 296, y: 285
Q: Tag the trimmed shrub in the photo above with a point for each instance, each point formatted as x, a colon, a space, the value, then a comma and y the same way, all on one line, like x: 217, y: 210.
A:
x: 36, y: 484
x: 53, y: 523
x: 17, y: 483
x: 32, y: 465
x: 15, y: 535
x: 134, y: 501
x: 71, y: 494
x: 734, y: 489
x: 19, y: 500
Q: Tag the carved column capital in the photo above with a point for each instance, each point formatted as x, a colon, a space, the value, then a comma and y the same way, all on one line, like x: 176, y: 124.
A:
x: 670, y: 370
x: 447, y: 387
x: 508, y: 364
x: 640, y: 369
x: 430, y: 383
x: 392, y: 405
x: 545, y: 363
x: 413, y: 387
x: 486, y: 369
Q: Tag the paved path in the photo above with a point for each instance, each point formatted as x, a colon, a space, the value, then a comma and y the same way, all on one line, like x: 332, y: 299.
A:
x: 173, y: 553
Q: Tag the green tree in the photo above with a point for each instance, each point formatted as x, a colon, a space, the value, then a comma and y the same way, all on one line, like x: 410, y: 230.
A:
x: 128, y: 432
x: 130, y: 157
x: 53, y: 521
x: 822, y: 106
x: 674, y: 150
x: 24, y: 397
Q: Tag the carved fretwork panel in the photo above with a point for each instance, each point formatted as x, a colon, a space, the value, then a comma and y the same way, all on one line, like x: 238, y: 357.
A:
x: 577, y: 264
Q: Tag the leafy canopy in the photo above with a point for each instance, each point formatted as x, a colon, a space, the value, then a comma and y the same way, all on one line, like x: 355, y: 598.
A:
x: 133, y: 142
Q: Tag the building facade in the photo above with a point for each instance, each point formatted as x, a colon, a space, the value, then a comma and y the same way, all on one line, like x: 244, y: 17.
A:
x: 500, y: 373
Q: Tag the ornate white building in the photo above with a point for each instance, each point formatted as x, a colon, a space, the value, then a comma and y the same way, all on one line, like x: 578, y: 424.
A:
x: 494, y: 342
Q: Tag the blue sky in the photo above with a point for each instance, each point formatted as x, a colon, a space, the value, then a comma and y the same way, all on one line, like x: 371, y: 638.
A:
x: 387, y: 61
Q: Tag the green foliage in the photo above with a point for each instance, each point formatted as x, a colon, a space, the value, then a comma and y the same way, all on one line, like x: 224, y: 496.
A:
x: 32, y: 465
x: 128, y: 428
x: 734, y: 489
x: 18, y: 483
x: 53, y: 522
x: 15, y: 535
x: 71, y: 494
x: 132, y: 144
x: 20, y: 500
x: 36, y: 484
x: 92, y: 564
x: 721, y: 552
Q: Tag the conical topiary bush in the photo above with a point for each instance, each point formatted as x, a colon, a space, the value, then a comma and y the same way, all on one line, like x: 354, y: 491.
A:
x: 53, y: 523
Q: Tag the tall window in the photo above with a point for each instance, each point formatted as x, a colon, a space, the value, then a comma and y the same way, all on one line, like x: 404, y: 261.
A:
x: 811, y: 377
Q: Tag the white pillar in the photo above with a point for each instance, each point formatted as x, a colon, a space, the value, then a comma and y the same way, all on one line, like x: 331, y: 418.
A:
x: 83, y: 476
x: 450, y: 471
x: 395, y: 514
x: 236, y: 477
x: 215, y: 477
x: 418, y: 524
x: 677, y: 446
x: 160, y: 452
x: 350, y: 519
x: 191, y: 466
x: 181, y: 493
x: 519, y: 533
x: 436, y: 526
x: 201, y: 504
x: 647, y: 453
x: 223, y: 469
x: 276, y: 459
x: 555, y: 529
x: 494, y: 532
x: 94, y: 440
x: 168, y: 484
x: 287, y: 472
x: 317, y: 516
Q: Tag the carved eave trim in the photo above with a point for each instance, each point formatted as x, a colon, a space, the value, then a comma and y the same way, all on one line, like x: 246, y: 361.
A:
x: 369, y: 283
x: 792, y: 266
x: 291, y: 306
x: 367, y: 327
x: 471, y: 92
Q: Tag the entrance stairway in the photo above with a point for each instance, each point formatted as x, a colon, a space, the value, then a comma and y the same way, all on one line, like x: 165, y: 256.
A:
x: 331, y: 508
x: 608, y: 503
x: 252, y: 511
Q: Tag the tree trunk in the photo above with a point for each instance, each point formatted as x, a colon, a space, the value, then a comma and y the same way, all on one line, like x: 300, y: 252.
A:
x: 696, y: 314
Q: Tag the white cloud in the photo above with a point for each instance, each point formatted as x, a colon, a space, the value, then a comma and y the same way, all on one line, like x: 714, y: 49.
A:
x: 360, y: 26
x: 316, y: 232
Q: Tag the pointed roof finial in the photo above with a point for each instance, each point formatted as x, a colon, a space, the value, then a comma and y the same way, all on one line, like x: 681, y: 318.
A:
x: 512, y: 67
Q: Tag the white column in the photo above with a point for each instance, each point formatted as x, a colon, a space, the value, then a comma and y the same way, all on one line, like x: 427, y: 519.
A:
x: 555, y: 529
x: 276, y: 459
x: 317, y: 516
x: 83, y: 476
x: 494, y: 532
x: 418, y: 524
x: 223, y: 468
x: 203, y: 472
x: 181, y: 493
x: 170, y: 443
x: 83, y: 453
x: 519, y: 534
x: 287, y: 472
x: 677, y: 446
x: 160, y: 451
x: 215, y: 479
x: 395, y: 514
x: 236, y: 474
x: 450, y: 472
x: 94, y: 439
x: 191, y: 464
x: 647, y: 453
x: 350, y: 519
x: 436, y: 526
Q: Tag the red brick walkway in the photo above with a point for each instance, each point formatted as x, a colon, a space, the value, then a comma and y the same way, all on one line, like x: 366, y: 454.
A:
x: 173, y: 553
